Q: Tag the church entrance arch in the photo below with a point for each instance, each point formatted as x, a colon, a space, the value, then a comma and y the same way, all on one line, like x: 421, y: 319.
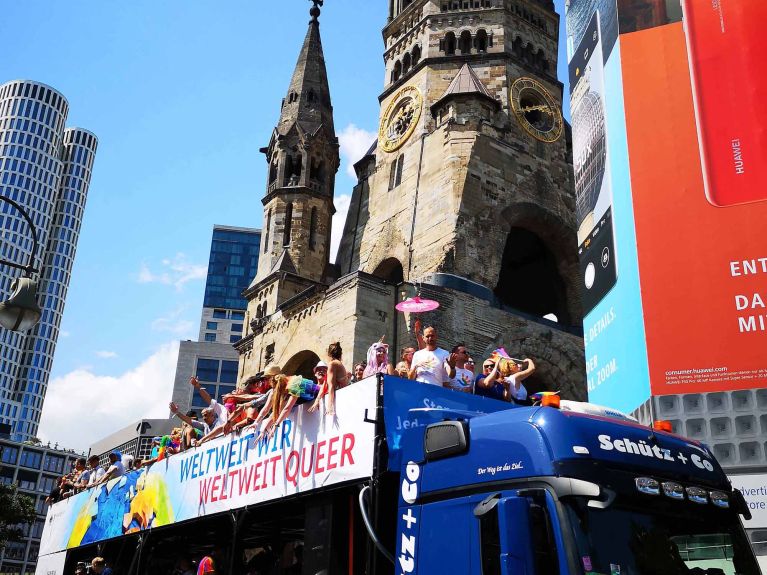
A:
x: 529, y: 279
x: 390, y: 270
x: 301, y: 364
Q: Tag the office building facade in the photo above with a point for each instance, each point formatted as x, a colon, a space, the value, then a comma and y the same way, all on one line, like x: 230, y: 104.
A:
x: 46, y: 168
x: 35, y: 469
x: 232, y: 266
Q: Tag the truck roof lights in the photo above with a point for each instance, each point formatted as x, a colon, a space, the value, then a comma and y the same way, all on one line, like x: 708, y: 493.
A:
x: 647, y: 485
x: 697, y: 495
x: 720, y: 499
x: 673, y: 490
x: 550, y: 400
x: 663, y: 425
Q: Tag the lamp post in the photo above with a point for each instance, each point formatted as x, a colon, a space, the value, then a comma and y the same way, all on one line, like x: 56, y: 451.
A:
x: 20, y: 312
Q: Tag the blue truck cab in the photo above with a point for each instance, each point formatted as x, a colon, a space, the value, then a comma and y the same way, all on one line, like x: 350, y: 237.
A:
x: 540, y: 490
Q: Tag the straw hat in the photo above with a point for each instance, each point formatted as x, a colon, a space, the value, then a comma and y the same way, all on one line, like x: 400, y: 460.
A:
x: 272, y: 369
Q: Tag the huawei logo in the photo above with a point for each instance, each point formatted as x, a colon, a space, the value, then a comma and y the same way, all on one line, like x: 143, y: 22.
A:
x: 737, y: 156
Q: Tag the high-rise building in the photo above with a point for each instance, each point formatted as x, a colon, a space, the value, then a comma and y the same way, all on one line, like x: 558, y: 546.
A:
x: 231, y: 268
x: 45, y: 168
x: 35, y: 468
x: 232, y: 265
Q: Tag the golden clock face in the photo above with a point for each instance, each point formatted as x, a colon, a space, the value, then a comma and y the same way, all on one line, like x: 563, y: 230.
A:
x: 536, y: 110
x: 400, y: 118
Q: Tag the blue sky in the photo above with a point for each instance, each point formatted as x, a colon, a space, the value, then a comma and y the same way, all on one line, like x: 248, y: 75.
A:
x: 181, y: 96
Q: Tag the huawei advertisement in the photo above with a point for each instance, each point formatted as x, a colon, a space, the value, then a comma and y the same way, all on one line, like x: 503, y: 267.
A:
x: 670, y: 154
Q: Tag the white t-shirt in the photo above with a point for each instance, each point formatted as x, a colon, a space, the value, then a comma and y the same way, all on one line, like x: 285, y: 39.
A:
x: 221, y: 413
x: 431, y: 366
x: 518, y: 394
x: 463, y: 380
x: 95, y: 476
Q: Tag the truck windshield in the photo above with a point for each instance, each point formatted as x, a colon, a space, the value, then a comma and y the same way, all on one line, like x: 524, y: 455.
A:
x: 621, y: 540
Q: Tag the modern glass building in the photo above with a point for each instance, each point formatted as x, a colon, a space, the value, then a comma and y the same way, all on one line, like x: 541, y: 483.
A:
x: 46, y: 168
x: 233, y: 264
x: 212, y: 359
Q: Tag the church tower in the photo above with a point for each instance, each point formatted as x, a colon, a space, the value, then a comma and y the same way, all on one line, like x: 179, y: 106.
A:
x: 471, y: 174
x: 303, y: 159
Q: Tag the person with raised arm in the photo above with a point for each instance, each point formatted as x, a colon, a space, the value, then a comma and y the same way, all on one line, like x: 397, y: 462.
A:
x: 336, y: 378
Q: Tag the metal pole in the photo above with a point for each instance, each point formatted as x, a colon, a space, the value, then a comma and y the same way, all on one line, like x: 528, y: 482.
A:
x: 29, y: 268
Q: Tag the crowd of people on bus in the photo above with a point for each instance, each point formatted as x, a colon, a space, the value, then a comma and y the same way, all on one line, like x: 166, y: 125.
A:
x: 267, y: 399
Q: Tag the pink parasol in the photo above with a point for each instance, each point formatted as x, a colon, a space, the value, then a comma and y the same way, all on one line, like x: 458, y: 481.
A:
x: 417, y: 305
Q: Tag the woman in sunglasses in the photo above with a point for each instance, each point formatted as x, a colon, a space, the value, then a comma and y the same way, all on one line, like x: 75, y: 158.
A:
x: 490, y: 383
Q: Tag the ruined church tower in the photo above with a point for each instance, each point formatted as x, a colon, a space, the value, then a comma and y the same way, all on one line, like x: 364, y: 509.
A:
x: 471, y: 174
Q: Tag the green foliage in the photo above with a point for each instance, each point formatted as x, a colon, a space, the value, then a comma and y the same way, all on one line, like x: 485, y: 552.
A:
x: 16, y: 509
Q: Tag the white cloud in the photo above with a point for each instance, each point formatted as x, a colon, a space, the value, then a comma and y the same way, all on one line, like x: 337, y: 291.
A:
x: 106, y: 354
x: 175, y: 323
x: 176, y: 272
x: 339, y: 219
x: 63, y: 333
x: 82, y: 407
x: 354, y: 143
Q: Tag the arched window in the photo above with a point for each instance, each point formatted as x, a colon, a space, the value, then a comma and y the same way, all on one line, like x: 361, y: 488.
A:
x: 267, y: 230
x: 529, y: 279
x: 449, y: 43
x: 273, y: 171
x: 313, y: 229
x: 406, y: 64
x: 516, y: 47
x: 396, y: 71
x: 480, y: 41
x: 317, y: 170
x: 464, y: 43
x: 416, y: 55
x: 390, y: 270
x: 288, y: 224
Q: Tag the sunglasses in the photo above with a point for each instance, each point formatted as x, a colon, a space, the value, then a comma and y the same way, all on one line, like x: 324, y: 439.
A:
x: 470, y: 362
x: 489, y: 366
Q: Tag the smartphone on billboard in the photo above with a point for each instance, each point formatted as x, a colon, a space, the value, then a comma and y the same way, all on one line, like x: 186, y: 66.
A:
x: 726, y: 47
x: 593, y: 187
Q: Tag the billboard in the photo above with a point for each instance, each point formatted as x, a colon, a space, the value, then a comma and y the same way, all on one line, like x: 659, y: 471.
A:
x: 669, y: 142
x: 307, y: 452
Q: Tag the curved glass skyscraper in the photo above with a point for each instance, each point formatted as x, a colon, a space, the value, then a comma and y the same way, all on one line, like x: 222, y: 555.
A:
x: 47, y: 170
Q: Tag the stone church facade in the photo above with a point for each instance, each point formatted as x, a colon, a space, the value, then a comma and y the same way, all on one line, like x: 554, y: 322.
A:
x: 466, y: 197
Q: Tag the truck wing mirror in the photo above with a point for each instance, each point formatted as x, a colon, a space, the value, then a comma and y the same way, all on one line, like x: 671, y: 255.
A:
x: 739, y: 504
x: 445, y: 439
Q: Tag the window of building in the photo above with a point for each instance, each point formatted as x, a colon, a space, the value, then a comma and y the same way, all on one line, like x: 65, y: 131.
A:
x: 448, y: 44
x: 288, y: 224
x: 9, y: 454
x: 464, y: 43
x: 395, y: 173
x: 31, y: 459
x: 219, y: 313
x: 238, y: 315
x: 207, y: 369
x: 228, y: 372
x: 46, y: 484
x: 210, y: 337
x: 234, y: 338
x: 54, y: 463
x: 211, y: 325
x: 237, y: 327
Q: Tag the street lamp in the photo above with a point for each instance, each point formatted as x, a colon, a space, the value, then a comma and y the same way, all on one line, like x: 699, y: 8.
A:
x: 20, y: 312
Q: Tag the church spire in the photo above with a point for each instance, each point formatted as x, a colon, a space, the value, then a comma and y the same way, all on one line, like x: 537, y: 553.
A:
x: 308, y: 100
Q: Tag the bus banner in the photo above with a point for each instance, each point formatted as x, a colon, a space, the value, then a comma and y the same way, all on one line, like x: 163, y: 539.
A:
x: 307, y: 452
